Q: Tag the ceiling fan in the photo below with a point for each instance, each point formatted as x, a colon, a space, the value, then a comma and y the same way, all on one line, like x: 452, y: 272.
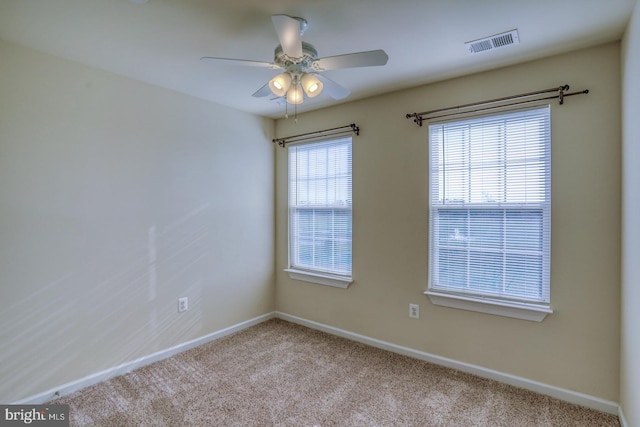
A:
x: 301, y: 65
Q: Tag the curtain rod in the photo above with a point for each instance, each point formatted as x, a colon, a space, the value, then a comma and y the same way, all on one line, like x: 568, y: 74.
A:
x: 419, y: 117
x: 342, y: 130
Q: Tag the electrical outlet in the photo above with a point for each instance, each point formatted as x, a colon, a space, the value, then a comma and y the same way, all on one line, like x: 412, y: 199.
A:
x: 183, y: 304
x: 414, y: 311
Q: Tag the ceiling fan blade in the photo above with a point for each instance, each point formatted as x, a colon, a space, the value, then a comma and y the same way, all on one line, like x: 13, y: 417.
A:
x: 332, y: 88
x: 351, y: 60
x: 244, y: 62
x: 263, y: 91
x: 288, y: 30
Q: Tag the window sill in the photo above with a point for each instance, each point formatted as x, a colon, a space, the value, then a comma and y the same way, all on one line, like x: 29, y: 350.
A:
x: 320, y: 279
x: 516, y: 310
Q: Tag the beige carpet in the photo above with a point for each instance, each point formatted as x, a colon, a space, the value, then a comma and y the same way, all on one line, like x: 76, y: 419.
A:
x: 281, y: 374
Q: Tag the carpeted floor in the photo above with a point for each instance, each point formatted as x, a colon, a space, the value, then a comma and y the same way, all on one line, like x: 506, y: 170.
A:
x: 281, y: 374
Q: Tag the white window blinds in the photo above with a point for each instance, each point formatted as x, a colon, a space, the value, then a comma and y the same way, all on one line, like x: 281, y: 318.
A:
x: 490, y: 206
x: 320, y: 200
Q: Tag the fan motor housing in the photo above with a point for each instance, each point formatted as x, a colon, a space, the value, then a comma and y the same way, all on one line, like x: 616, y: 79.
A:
x: 302, y: 64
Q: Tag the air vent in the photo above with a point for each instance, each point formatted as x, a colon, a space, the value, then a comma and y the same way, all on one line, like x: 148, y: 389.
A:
x: 493, y: 42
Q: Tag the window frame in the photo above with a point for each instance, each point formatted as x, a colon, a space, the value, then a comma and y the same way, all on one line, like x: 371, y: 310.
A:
x: 301, y: 273
x: 485, y: 302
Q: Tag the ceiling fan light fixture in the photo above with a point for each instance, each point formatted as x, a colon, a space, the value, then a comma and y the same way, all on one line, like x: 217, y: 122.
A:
x: 280, y: 84
x: 301, y: 68
x: 295, y: 95
x: 311, y: 85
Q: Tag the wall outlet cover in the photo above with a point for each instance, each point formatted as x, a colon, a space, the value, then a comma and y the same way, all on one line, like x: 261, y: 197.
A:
x: 414, y: 311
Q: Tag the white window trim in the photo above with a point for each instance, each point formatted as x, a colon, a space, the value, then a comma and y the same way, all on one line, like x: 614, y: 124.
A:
x: 513, y: 309
x: 517, y: 310
x: 317, y: 277
x: 321, y: 279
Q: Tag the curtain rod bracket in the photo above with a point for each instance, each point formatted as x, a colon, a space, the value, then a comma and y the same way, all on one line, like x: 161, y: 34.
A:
x: 561, y: 93
x: 416, y: 118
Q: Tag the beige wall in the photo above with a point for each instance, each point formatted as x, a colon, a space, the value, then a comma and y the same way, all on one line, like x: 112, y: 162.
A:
x: 576, y: 348
x: 116, y: 198
x: 630, y: 336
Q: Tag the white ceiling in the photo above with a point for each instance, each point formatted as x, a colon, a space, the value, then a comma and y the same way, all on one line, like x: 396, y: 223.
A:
x: 160, y: 42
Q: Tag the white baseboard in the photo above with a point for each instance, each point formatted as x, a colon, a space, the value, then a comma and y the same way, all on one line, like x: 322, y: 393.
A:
x: 126, y: 367
x: 527, y: 384
x: 623, y: 420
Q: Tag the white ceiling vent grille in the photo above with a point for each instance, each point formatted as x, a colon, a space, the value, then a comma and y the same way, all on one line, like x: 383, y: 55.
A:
x: 493, y: 42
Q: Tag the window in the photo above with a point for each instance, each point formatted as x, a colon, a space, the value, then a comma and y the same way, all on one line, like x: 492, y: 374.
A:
x: 490, y: 213
x: 320, y: 200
